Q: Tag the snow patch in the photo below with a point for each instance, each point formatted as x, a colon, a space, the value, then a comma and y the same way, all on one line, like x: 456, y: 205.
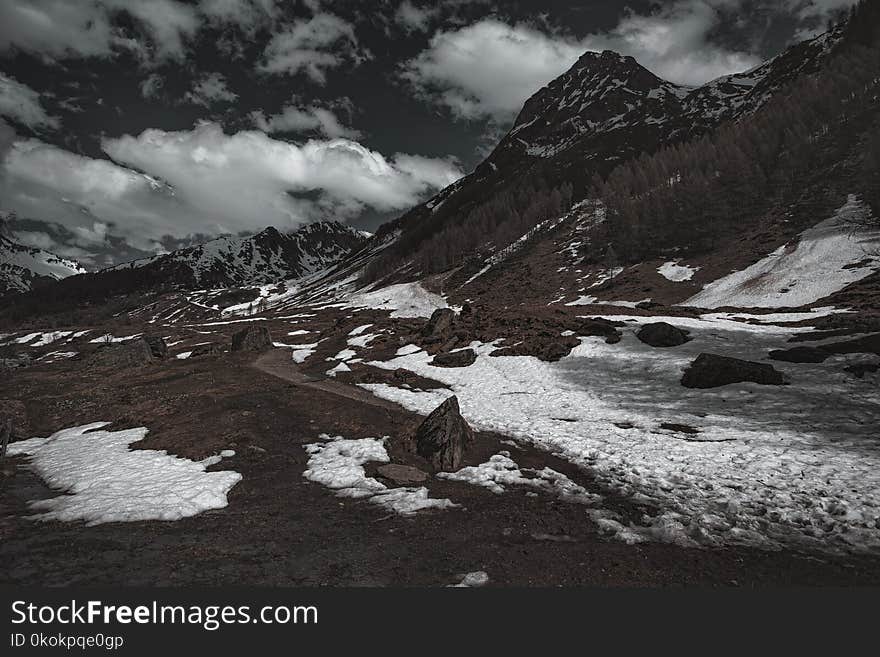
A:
x: 105, y: 481
x: 337, y: 463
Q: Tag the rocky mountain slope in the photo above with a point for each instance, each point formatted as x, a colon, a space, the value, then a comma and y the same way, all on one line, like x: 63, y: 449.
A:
x: 23, y: 268
x: 607, y: 109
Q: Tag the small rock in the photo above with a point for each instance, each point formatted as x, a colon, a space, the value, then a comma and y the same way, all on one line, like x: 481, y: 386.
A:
x: 661, y: 334
x: 712, y: 371
x: 157, y: 346
x: 206, y: 350
x: 444, y: 436
x: 403, y: 475
x: 461, y: 358
x: 800, y: 355
x: 252, y: 338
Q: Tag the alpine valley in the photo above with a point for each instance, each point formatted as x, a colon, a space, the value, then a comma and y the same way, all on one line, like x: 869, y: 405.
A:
x: 639, y: 344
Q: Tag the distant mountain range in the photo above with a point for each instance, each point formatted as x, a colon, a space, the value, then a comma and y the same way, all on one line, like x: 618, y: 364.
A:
x: 24, y: 268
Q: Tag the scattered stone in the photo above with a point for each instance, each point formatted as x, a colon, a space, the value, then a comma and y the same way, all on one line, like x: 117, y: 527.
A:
x: 661, y: 334
x: 461, y: 358
x: 602, y: 327
x: 16, y: 412
x: 712, y: 371
x: 679, y: 428
x: 16, y: 361
x: 157, y: 346
x: 252, y: 338
x: 859, y: 370
x: 648, y: 305
x: 800, y: 355
x: 206, y: 350
x: 402, y: 475
x: 444, y: 436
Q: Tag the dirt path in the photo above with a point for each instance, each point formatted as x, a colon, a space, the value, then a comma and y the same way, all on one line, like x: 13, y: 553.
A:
x: 278, y: 363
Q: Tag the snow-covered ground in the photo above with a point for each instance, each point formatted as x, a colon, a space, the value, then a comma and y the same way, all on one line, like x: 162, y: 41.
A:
x: 675, y: 272
x: 403, y: 299
x: 501, y: 472
x: 105, y: 481
x: 770, y: 466
x: 338, y: 464
x: 824, y: 260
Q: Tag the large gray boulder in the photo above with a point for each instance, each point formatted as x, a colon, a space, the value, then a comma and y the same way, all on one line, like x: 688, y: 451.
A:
x: 661, y: 334
x: 712, y: 371
x: 252, y: 338
x: 444, y: 436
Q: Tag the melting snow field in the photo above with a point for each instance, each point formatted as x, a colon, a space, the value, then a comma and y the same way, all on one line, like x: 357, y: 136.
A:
x: 338, y: 464
x: 403, y: 299
x: 105, y: 481
x: 770, y: 465
x: 828, y: 257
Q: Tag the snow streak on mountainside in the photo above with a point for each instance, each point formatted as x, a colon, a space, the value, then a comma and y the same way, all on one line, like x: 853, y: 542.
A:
x: 268, y: 257
x: 23, y: 267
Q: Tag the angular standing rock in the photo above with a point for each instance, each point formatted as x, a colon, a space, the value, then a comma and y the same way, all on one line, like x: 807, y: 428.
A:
x: 444, y: 436
x: 439, y: 327
x: 252, y: 338
x: 661, y: 334
x: 712, y: 371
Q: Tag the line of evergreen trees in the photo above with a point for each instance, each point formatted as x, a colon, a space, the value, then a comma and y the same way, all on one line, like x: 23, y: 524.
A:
x: 496, y: 222
x: 697, y: 194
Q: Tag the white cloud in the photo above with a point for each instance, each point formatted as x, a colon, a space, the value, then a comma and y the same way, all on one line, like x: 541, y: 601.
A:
x: 415, y: 18
x: 86, y: 28
x: 315, y: 45
x: 488, y: 69
x: 210, y: 88
x: 21, y: 103
x: 311, y: 118
x: 211, y: 183
x: 168, y: 23
x: 151, y: 85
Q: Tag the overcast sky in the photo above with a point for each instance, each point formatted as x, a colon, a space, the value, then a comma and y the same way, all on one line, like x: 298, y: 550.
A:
x: 134, y: 127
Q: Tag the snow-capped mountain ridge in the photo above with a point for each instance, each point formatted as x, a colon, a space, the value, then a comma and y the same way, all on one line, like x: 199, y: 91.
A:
x: 266, y: 257
x: 606, y: 93
x: 22, y: 267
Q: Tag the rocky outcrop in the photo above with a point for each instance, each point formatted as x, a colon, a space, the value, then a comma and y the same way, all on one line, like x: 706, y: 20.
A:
x: 712, y: 371
x: 123, y: 355
x: 461, y: 358
x: 800, y: 355
x: 661, y: 334
x: 444, y: 436
x: 252, y: 338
